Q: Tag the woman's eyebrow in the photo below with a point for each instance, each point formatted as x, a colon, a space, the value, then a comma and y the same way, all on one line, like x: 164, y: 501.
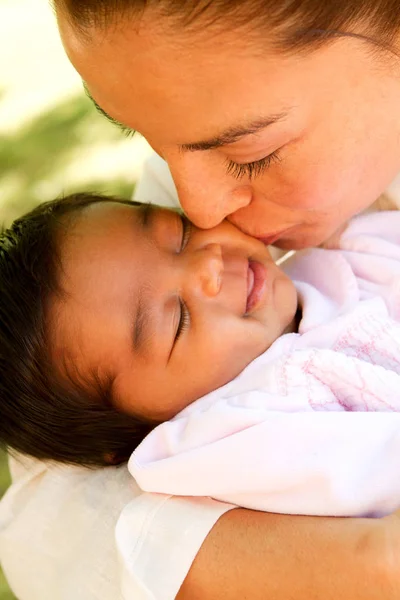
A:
x: 232, y: 134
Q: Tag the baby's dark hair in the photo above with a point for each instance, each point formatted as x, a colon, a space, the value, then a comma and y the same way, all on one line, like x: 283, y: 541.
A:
x: 43, y: 413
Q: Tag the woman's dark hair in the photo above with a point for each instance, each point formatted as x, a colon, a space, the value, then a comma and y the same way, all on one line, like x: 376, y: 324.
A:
x: 291, y: 24
x: 43, y: 413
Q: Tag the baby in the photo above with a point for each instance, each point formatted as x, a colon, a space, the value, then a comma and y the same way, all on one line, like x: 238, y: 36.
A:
x: 115, y: 317
x: 312, y: 426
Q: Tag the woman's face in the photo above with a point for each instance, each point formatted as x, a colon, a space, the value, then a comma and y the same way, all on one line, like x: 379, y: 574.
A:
x: 287, y: 148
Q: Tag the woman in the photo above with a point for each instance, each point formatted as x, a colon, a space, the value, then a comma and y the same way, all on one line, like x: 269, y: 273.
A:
x: 282, y: 117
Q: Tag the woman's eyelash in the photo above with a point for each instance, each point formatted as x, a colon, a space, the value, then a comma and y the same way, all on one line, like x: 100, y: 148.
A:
x: 127, y: 131
x: 253, y: 169
x: 184, y: 320
x: 186, y: 231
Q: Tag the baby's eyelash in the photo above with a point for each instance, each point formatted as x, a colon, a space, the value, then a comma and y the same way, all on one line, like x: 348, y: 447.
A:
x: 184, y: 320
x: 186, y: 231
x: 253, y: 169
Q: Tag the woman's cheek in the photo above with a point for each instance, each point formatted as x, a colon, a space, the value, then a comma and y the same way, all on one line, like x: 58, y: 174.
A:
x: 316, y: 190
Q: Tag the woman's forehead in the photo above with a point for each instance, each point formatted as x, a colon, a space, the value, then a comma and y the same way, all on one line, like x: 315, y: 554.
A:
x: 178, y: 95
x: 147, y: 83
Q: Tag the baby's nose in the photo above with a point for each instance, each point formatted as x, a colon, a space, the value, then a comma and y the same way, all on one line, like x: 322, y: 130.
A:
x: 209, y: 268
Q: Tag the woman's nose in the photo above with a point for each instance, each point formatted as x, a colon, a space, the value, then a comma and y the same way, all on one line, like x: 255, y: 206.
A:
x: 205, y: 271
x: 207, y: 194
x: 210, y: 210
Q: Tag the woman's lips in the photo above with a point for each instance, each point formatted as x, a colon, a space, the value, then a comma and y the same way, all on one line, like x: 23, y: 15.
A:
x: 268, y: 240
x: 256, y: 285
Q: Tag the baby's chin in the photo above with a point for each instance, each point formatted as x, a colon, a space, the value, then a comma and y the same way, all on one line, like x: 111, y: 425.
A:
x: 293, y: 326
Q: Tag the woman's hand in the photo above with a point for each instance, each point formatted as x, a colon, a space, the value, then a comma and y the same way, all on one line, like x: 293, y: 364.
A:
x: 384, y: 202
x: 259, y: 556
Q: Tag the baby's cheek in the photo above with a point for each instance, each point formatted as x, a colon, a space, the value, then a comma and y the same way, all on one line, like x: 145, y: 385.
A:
x: 247, y: 345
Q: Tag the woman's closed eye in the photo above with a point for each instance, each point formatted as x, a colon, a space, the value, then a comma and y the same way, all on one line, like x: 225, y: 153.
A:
x: 252, y: 169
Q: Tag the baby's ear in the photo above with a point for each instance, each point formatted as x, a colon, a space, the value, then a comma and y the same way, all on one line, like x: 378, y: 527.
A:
x: 110, y: 458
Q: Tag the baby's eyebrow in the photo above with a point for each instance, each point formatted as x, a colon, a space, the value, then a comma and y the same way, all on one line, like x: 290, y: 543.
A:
x: 146, y: 213
x: 141, y: 315
x: 141, y: 323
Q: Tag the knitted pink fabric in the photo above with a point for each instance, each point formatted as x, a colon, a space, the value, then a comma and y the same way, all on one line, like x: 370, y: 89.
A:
x: 313, y: 425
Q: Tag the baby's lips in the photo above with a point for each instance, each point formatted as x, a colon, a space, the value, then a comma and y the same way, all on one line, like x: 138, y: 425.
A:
x: 258, y: 285
x: 250, y: 282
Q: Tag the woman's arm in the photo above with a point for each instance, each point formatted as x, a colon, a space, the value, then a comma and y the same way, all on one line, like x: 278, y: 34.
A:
x: 260, y: 556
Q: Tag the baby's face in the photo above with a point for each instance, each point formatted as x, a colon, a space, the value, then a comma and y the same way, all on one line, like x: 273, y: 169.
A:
x: 166, y: 311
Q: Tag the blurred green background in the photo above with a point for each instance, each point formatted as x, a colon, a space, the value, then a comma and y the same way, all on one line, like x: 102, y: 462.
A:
x: 52, y: 140
x: 5, y: 593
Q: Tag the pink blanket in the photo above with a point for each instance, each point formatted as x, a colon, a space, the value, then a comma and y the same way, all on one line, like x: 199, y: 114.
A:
x: 313, y: 425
